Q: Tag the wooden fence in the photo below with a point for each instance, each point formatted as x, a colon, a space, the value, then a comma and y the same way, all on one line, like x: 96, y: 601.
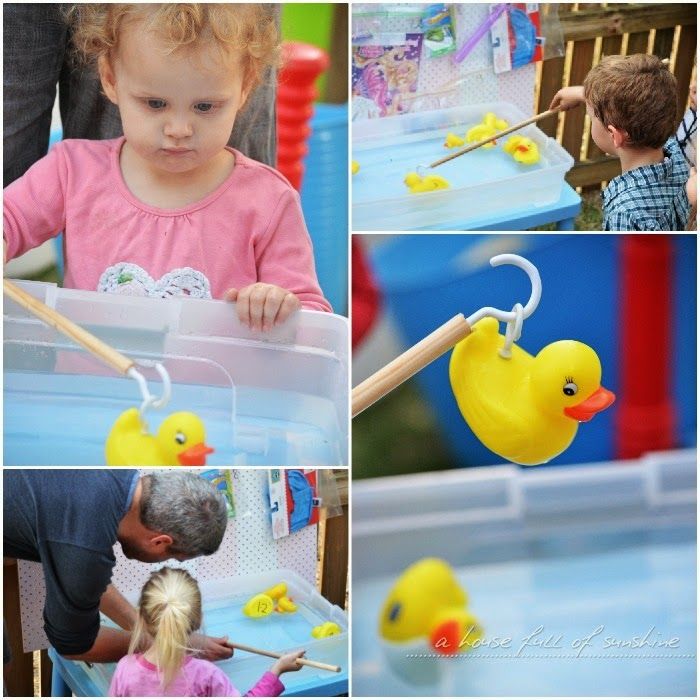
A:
x: 595, y: 30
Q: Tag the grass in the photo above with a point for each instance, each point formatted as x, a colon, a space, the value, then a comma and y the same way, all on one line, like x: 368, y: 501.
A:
x: 398, y: 435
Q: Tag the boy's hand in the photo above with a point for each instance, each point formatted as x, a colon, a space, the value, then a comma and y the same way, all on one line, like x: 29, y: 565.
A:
x: 261, y: 306
x: 568, y: 98
x: 691, y: 187
x: 287, y: 663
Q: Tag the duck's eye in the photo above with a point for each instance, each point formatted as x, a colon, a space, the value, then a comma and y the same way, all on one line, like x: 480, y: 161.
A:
x: 570, y: 388
x: 180, y: 438
x: 394, y: 612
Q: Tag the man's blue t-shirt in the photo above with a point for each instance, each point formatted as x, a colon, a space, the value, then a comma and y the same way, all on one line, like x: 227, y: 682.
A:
x: 67, y: 519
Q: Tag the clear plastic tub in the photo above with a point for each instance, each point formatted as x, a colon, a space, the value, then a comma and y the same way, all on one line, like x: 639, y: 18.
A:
x: 222, y: 604
x: 273, y: 402
x: 482, y: 183
x: 567, y: 550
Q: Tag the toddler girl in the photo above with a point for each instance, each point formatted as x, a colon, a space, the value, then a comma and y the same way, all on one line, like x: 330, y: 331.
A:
x: 170, y: 609
x: 169, y: 209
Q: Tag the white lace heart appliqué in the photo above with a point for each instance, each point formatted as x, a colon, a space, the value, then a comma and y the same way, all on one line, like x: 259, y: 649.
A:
x: 130, y: 279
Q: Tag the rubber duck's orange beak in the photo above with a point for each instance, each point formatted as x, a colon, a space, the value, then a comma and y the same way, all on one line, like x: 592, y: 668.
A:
x: 522, y: 148
x: 445, y: 638
x: 195, y: 456
x: 600, y: 399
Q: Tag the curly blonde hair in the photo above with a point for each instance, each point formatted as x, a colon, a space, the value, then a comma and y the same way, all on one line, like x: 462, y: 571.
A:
x: 249, y: 29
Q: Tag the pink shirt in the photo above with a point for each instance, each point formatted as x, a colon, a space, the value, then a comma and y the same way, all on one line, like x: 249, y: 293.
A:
x: 250, y: 229
x: 136, y: 677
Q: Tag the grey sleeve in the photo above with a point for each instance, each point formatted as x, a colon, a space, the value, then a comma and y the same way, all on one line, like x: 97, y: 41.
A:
x: 75, y: 580
x: 34, y: 40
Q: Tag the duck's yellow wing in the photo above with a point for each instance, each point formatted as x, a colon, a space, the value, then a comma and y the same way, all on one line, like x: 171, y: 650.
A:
x: 492, y: 392
x: 126, y: 445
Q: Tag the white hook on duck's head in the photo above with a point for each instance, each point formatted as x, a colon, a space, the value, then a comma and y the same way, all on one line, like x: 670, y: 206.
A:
x: 533, y: 301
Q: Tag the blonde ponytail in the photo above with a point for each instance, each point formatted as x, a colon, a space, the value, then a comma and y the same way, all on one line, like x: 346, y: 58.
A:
x: 170, y: 609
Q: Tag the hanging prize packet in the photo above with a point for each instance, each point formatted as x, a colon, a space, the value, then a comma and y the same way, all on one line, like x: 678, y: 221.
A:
x: 384, y: 74
x: 294, y: 500
x: 439, y: 34
x: 516, y: 37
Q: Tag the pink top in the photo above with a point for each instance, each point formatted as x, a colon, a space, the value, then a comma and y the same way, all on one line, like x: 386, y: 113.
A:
x: 250, y: 229
x: 136, y: 677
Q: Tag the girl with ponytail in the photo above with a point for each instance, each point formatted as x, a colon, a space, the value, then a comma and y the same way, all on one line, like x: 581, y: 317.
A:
x: 170, y: 610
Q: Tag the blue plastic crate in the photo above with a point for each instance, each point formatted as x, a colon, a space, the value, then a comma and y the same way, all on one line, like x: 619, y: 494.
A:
x: 324, y: 199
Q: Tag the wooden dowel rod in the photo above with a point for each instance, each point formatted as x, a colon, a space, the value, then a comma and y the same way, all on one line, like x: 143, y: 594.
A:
x: 111, y: 357
x: 505, y: 132
x: 407, y: 364
x: 277, y: 655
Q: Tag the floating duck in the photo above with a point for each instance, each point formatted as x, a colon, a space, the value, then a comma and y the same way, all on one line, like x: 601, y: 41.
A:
x: 416, y: 183
x: 524, y: 150
x: 286, y: 605
x: 355, y: 167
x: 180, y: 440
x: 525, y: 409
x: 427, y: 603
x: 277, y: 591
x: 452, y: 140
x: 260, y: 605
x: 327, y: 629
x: 489, y: 127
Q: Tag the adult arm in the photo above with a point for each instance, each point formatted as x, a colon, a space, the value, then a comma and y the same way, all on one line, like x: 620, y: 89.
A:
x: 118, y: 609
x: 109, y: 645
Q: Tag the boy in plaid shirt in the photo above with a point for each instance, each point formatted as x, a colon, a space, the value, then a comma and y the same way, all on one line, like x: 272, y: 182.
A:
x: 632, y: 103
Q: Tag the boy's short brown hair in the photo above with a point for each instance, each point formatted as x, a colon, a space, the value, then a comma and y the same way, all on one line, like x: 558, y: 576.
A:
x: 635, y: 93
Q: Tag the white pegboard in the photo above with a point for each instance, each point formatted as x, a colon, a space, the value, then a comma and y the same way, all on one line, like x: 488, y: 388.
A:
x: 247, y: 548
x: 478, y: 82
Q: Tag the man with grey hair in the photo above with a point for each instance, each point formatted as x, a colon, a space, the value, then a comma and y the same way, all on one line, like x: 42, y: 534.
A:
x: 70, y: 519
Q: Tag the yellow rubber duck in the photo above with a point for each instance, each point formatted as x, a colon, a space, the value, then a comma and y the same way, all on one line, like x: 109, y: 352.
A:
x: 286, y: 605
x: 260, y: 605
x: 523, y: 149
x: 489, y: 127
x: 355, y: 167
x: 525, y: 409
x: 429, y: 183
x: 327, y: 629
x: 180, y: 440
x: 427, y: 603
x: 452, y: 140
x: 277, y: 591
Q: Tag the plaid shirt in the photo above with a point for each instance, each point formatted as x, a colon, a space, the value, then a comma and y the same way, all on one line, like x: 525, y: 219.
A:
x: 651, y: 197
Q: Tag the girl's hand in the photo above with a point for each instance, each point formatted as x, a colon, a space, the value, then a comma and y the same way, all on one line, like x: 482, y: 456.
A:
x: 261, y: 306
x: 568, y: 98
x: 287, y: 663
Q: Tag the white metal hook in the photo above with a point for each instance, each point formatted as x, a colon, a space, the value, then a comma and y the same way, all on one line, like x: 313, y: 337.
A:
x: 517, y: 315
x: 533, y: 301
x: 513, y: 331
x: 149, y: 399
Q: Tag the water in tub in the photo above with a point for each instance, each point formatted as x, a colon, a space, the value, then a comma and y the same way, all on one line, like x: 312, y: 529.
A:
x: 64, y: 419
x: 384, y: 164
x: 637, y: 586
x: 280, y: 632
